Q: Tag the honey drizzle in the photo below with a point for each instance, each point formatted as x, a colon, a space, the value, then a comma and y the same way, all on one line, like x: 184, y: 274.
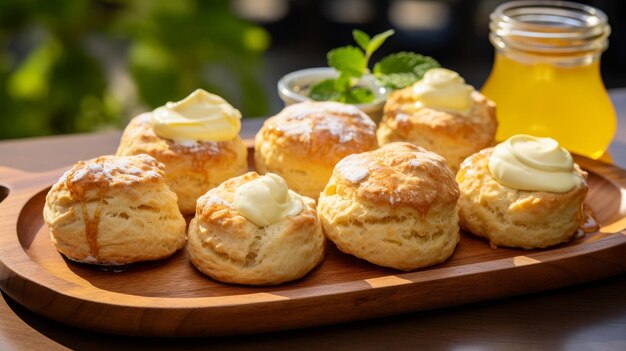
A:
x: 91, y: 224
x: 588, y: 221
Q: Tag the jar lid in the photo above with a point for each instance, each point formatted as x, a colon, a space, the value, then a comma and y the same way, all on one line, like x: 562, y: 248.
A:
x: 549, y: 28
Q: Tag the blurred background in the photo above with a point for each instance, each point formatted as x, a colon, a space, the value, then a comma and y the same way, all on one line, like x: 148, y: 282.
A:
x: 71, y: 66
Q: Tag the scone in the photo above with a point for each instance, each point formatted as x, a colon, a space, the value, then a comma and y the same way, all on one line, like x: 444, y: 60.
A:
x: 253, y: 230
x: 304, y: 141
x: 114, y: 210
x: 196, y: 139
x: 526, y: 192
x: 394, y: 207
x: 441, y: 114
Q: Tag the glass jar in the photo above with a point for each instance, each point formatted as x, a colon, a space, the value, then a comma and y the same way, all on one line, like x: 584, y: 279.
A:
x: 546, y: 75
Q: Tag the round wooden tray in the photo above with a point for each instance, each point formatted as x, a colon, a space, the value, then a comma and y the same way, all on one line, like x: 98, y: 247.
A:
x: 171, y: 298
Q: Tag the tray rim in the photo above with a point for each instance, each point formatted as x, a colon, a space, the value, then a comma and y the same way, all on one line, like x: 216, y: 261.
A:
x: 13, y: 267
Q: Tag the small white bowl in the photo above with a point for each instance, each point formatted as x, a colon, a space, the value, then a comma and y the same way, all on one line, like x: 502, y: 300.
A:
x: 292, y: 87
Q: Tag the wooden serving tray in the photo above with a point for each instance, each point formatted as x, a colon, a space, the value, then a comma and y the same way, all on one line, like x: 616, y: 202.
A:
x: 171, y: 298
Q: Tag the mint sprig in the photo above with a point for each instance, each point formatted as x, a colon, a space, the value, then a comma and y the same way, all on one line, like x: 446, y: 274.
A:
x: 369, y: 45
x: 402, y: 69
x: 348, y: 60
x: 394, y: 71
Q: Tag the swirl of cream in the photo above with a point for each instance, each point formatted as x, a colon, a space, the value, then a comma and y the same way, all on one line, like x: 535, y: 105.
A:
x: 526, y: 162
x: 266, y: 200
x: 201, y: 116
x: 445, y: 90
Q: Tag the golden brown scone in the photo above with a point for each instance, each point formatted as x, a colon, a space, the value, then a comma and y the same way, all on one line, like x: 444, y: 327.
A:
x: 516, y: 218
x: 228, y: 247
x: 114, y: 210
x: 394, y: 207
x: 450, y: 135
x: 304, y: 141
x: 190, y: 170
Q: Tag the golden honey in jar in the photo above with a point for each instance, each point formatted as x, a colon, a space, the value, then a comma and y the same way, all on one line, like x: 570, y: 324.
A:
x: 546, y: 75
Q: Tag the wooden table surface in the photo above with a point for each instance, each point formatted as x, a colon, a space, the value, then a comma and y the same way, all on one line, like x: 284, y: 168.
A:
x: 591, y: 316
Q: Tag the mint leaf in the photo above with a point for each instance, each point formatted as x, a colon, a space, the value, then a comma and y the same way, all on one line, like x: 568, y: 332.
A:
x: 325, y: 90
x: 377, y: 41
x: 359, y: 95
x: 348, y: 60
x: 361, y: 38
x: 340, y: 90
x: 397, y: 80
x: 421, y: 68
x: 403, y: 62
x: 343, y: 83
x: 402, y: 69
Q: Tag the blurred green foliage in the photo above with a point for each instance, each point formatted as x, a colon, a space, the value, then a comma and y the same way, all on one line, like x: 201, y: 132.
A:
x: 54, y: 64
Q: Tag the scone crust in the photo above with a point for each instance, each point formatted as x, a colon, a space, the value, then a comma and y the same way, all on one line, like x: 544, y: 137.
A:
x: 394, y: 207
x: 450, y: 135
x: 227, y: 247
x: 190, y: 170
x: 114, y: 210
x: 304, y: 141
x: 516, y: 218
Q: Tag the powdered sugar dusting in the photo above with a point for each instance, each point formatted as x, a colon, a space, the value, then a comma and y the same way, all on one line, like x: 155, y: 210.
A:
x: 152, y: 174
x: 302, y: 110
x: 342, y: 121
x: 63, y: 178
x: 342, y: 109
x: 346, y: 129
x: 337, y: 128
x: 210, y: 200
x: 120, y: 169
x: 95, y: 167
x: 353, y: 168
x: 415, y: 163
x: 298, y: 111
x: 401, y: 117
x: 358, y: 175
x: 352, y: 111
x: 346, y: 137
x: 299, y: 128
x: 134, y: 170
x: 395, y: 198
x: 80, y: 174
